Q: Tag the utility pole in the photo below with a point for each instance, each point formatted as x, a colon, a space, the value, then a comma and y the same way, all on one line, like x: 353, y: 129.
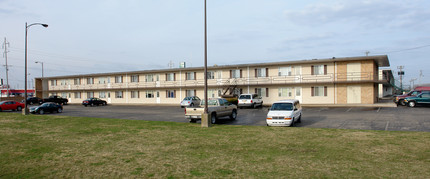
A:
x: 367, y: 53
x: 5, y: 45
x: 401, y: 73
x: 419, y: 79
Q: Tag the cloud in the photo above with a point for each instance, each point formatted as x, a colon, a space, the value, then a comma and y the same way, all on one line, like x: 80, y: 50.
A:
x: 370, y: 13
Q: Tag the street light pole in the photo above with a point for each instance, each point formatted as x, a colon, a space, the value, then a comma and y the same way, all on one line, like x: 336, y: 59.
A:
x: 206, y: 121
x: 42, y: 66
x: 25, y: 112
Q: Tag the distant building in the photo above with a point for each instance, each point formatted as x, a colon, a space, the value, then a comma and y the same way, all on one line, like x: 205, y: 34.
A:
x: 17, y: 92
x: 350, y: 80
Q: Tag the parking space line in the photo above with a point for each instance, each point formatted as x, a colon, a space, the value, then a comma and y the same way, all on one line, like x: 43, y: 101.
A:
x: 343, y: 124
x: 348, y: 110
x: 386, y: 126
x: 378, y: 109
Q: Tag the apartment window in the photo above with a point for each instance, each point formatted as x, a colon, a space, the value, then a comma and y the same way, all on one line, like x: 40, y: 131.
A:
x: 135, y: 78
x: 190, y: 92
x: 190, y: 75
x: 77, y: 81
x: 64, y: 95
x: 90, y: 94
x: 211, y: 75
x: 236, y: 73
x: 170, y: 77
x: 118, y: 94
x: 212, y: 93
x: 102, y: 80
x: 149, y: 78
x: 285, y: 92
x: 149, y: 94
x: 118, y: 79
x: 319, y: 91
x: 90, y: 81
x: 262, y: 91
x: 78, y: 95
x: 64, y: 82
x: 284, y: 71
x: 53, y: 82
x: 170, y: 93
x: 261, y: 72
x: 134, y: 94
x: 319, y: 70
x: 102, y: 94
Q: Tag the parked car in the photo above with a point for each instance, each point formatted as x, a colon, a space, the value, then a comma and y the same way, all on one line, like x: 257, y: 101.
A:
x: 250, y: 100
x: 421, y: 99
x: 33, y: 100
x: 284, y: 113
x: 217, y: 107
x: 11, y: 105
x: 46, y: 107
x: 94, y: 101
x: 399, y: 99
x: 190, y: 101
x: 56, y: 99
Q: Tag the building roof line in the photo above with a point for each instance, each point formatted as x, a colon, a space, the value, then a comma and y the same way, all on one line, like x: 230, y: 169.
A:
x: 381, y: 60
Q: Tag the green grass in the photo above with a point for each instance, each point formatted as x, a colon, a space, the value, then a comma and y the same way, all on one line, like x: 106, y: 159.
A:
x: 47, y: 146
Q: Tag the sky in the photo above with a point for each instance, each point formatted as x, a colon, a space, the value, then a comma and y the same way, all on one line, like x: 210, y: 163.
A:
x: 103, y: 36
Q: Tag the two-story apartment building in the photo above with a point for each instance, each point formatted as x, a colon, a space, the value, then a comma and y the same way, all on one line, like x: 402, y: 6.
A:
x: 317, y: 81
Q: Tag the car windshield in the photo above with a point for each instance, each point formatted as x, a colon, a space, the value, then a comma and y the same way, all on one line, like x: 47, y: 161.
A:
x: 45, y: 104
x: 188, y: 98
x: 282, y: 107
x: 210, y: 102
x: 245, y: 97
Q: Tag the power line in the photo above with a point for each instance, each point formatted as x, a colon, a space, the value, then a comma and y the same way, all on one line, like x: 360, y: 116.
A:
x: 407, y: 49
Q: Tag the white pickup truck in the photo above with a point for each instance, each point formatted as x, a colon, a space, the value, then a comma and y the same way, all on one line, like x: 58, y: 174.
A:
x: 217, y: 107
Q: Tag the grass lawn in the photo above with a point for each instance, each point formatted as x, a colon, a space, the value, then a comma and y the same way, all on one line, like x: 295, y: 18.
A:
x: 49, y: 146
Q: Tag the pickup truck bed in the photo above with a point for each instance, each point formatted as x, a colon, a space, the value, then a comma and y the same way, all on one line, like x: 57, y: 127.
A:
x: 217, y: 108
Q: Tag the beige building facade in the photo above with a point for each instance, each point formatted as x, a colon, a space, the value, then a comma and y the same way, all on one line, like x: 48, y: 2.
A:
x: 350, y: 80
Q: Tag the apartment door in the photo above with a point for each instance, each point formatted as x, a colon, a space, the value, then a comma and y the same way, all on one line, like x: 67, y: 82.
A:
x: 109, y: 100
x: 299, y: 94
x: 298, y: 73
x: 218, y: 77
x: 353, y: 94
x: 157, y: 96
x: 157, y: 80
x: 353, y: 71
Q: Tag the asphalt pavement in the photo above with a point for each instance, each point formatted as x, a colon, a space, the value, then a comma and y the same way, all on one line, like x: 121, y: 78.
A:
x: 368, y: 118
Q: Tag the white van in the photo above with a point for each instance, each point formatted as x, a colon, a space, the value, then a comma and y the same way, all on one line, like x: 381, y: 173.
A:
x: 249, y: 100
x: 284, y: 113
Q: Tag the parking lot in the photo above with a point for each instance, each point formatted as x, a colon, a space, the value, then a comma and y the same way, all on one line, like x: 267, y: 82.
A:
x: 393, y: 119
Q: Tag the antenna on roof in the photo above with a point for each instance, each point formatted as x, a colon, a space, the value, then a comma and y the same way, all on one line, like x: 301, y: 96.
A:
x: 367, y: 53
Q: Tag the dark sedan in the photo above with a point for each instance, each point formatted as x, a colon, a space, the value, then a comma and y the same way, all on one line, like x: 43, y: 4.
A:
x: 46, y: 107
x: 34, y: 100
x: 93, y: 102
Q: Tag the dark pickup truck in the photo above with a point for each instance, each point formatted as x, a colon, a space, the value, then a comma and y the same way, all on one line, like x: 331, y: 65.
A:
x: 56, y: 99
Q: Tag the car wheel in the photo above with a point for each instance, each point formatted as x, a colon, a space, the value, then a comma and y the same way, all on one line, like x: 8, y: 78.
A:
x: 59, y: 110
x: 41, y: 111
x: 412, y: 104
x: 31, y: 103
x: 402, y: 102
x: 19, y: 108
x: 0, y: 109
x: 92, y: 104
x: 233, y: 115
x: 192, y: 104
x: 85, y: 105
x: 65, y: 103
x: 292, y: 123
x: 213, y: 118
x: 299, y: 120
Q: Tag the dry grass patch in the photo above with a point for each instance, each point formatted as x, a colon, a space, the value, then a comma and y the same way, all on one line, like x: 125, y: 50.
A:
x: 69, y: 147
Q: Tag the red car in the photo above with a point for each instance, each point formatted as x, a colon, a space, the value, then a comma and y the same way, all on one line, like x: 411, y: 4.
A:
x: 11, y: 105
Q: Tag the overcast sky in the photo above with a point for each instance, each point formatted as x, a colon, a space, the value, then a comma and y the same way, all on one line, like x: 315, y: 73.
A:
x: 101, y: 36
